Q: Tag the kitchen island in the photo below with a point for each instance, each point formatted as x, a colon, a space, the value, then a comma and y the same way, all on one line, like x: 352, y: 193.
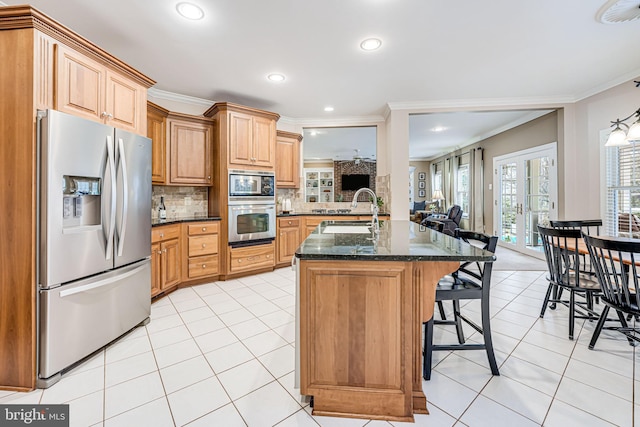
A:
x: 362, y: 300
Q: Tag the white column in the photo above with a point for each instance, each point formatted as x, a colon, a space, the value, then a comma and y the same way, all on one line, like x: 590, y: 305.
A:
x: 396, y: 163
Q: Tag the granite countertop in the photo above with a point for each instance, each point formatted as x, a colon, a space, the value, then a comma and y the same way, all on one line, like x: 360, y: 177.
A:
x: 176, y: 220
x: 330, y: 214
x: 397, y: 241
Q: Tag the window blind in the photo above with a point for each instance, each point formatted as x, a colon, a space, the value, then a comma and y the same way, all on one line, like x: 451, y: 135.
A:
x: 622, y: 216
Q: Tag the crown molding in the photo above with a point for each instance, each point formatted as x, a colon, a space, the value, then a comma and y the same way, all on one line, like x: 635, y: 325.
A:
x: 3, y: 3
x: 338, y: 121
x: 172, y: 96
x: 482, y: 104
x: 610, y: 84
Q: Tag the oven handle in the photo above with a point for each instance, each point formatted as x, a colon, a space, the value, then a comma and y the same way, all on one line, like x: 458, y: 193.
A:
x: 252, y: 208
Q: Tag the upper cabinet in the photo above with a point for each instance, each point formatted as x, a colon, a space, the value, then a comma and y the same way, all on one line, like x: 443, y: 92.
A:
x: 157, y: 132
x: 247, y: 135
x: 182, y: 147
x: 190, y: 149
x: 288, y: 159
x: 87, y: 88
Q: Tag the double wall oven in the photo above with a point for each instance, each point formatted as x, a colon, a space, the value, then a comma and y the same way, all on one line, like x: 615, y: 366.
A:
x: 252, y: 207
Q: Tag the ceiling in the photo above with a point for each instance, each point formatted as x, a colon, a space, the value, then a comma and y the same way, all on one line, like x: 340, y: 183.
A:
x: 434, y: 53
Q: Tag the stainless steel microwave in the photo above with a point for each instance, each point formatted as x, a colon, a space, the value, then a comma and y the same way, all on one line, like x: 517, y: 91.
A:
x: 251, y: 186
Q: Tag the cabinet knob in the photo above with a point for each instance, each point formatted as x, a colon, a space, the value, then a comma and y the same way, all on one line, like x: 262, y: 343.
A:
x: 165, y: 251
x: 268, y: 256
x: 161, y: 235
x: 159, y: 252
x: 239, y: 260
x: 204, y: 245
x: 209, y: 177
x: 204, y: 265
x: 289, y: 222
x: 204, y: 228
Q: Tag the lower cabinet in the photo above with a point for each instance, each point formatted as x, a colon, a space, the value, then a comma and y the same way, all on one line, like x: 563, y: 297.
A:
x: 251, y: 258
x: 165, y: 258
x: 288, y: 232
x: 202, y: 249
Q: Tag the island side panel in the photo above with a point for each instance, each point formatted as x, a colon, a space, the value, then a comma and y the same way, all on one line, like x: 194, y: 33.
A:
x: 425, y: 277
x: 356, y: 338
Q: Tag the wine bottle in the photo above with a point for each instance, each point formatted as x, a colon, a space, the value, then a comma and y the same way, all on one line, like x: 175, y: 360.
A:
x: 162, y: 210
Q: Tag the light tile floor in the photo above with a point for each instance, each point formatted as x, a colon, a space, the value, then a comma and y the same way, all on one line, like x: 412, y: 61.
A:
x: 222, y: 354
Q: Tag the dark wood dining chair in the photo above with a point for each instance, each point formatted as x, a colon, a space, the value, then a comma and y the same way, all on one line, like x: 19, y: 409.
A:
x: 564, y: 267
x: 471, y: 281
x: 617, y: 265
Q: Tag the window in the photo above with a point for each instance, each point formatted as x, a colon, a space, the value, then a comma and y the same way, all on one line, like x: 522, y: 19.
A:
x: 623, y: 191
x: 462, y: 184
x: 437, y: 178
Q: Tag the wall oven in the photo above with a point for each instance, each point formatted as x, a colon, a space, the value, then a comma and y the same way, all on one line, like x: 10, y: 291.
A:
x: 251, y: 223
x: 252, y: 207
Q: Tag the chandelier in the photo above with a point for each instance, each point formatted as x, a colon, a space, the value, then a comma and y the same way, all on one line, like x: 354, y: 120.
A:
x: 623, y: 134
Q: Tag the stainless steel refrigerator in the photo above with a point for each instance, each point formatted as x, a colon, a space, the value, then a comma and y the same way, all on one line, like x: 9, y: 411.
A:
x: 94, y: 274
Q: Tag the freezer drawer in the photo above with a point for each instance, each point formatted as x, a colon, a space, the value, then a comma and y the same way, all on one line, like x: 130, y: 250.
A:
x: 79, y: 318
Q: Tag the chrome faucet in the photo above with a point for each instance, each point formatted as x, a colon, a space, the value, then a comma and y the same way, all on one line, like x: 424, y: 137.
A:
x: 374, y: 221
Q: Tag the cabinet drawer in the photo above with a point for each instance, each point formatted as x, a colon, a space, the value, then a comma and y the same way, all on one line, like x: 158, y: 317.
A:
x: 203, y: 245
x: 288, y: 222
x: 203, y: 266
x: 203, y: 228
x: 167, y: 232
x: 251, y: 258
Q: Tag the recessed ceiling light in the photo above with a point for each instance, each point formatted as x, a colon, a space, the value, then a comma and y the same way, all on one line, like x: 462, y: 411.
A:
x: 438, y: 129
x: 371, y: 44
x: 328, y: 109
x: 276, y: 77
x: 190, y: 11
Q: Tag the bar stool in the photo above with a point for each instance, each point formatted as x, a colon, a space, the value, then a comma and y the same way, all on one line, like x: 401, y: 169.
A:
x: 471, y: 281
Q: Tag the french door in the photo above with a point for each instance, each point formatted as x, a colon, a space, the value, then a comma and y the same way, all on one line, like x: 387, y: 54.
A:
x: 525, y: 195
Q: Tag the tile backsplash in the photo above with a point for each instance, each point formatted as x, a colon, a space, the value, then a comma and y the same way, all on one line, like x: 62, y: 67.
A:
x: 180, y: 201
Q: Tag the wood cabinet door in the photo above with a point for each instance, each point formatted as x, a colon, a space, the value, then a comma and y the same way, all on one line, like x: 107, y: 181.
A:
x: 156, y: 269
x: 287, y: 163
x: 156, y: 130
x: 171, y: 270
x: 240, y: 139
x: 190, y: 152
x: 264, y: 142
x: 80, y: 85
x: 125, y: 103
x: 288, y: 242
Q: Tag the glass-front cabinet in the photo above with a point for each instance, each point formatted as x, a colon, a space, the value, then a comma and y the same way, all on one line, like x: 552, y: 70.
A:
x: 318, y: 185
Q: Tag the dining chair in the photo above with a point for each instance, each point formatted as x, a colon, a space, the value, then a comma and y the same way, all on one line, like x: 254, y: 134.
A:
x: 564, y: 266
x: 617, y: 265
x: 586, y: 226
x: 472, y: 281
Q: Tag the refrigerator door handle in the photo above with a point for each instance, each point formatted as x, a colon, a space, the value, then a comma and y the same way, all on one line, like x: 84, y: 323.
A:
x: 112, y: 224
x: 101, y: 283
x: 125, y: 196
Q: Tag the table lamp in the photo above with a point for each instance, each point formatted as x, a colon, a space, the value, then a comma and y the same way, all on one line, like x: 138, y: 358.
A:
x: 437, y: 196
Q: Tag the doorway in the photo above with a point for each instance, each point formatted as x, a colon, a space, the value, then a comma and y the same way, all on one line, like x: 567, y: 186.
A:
x: 526, y: 188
